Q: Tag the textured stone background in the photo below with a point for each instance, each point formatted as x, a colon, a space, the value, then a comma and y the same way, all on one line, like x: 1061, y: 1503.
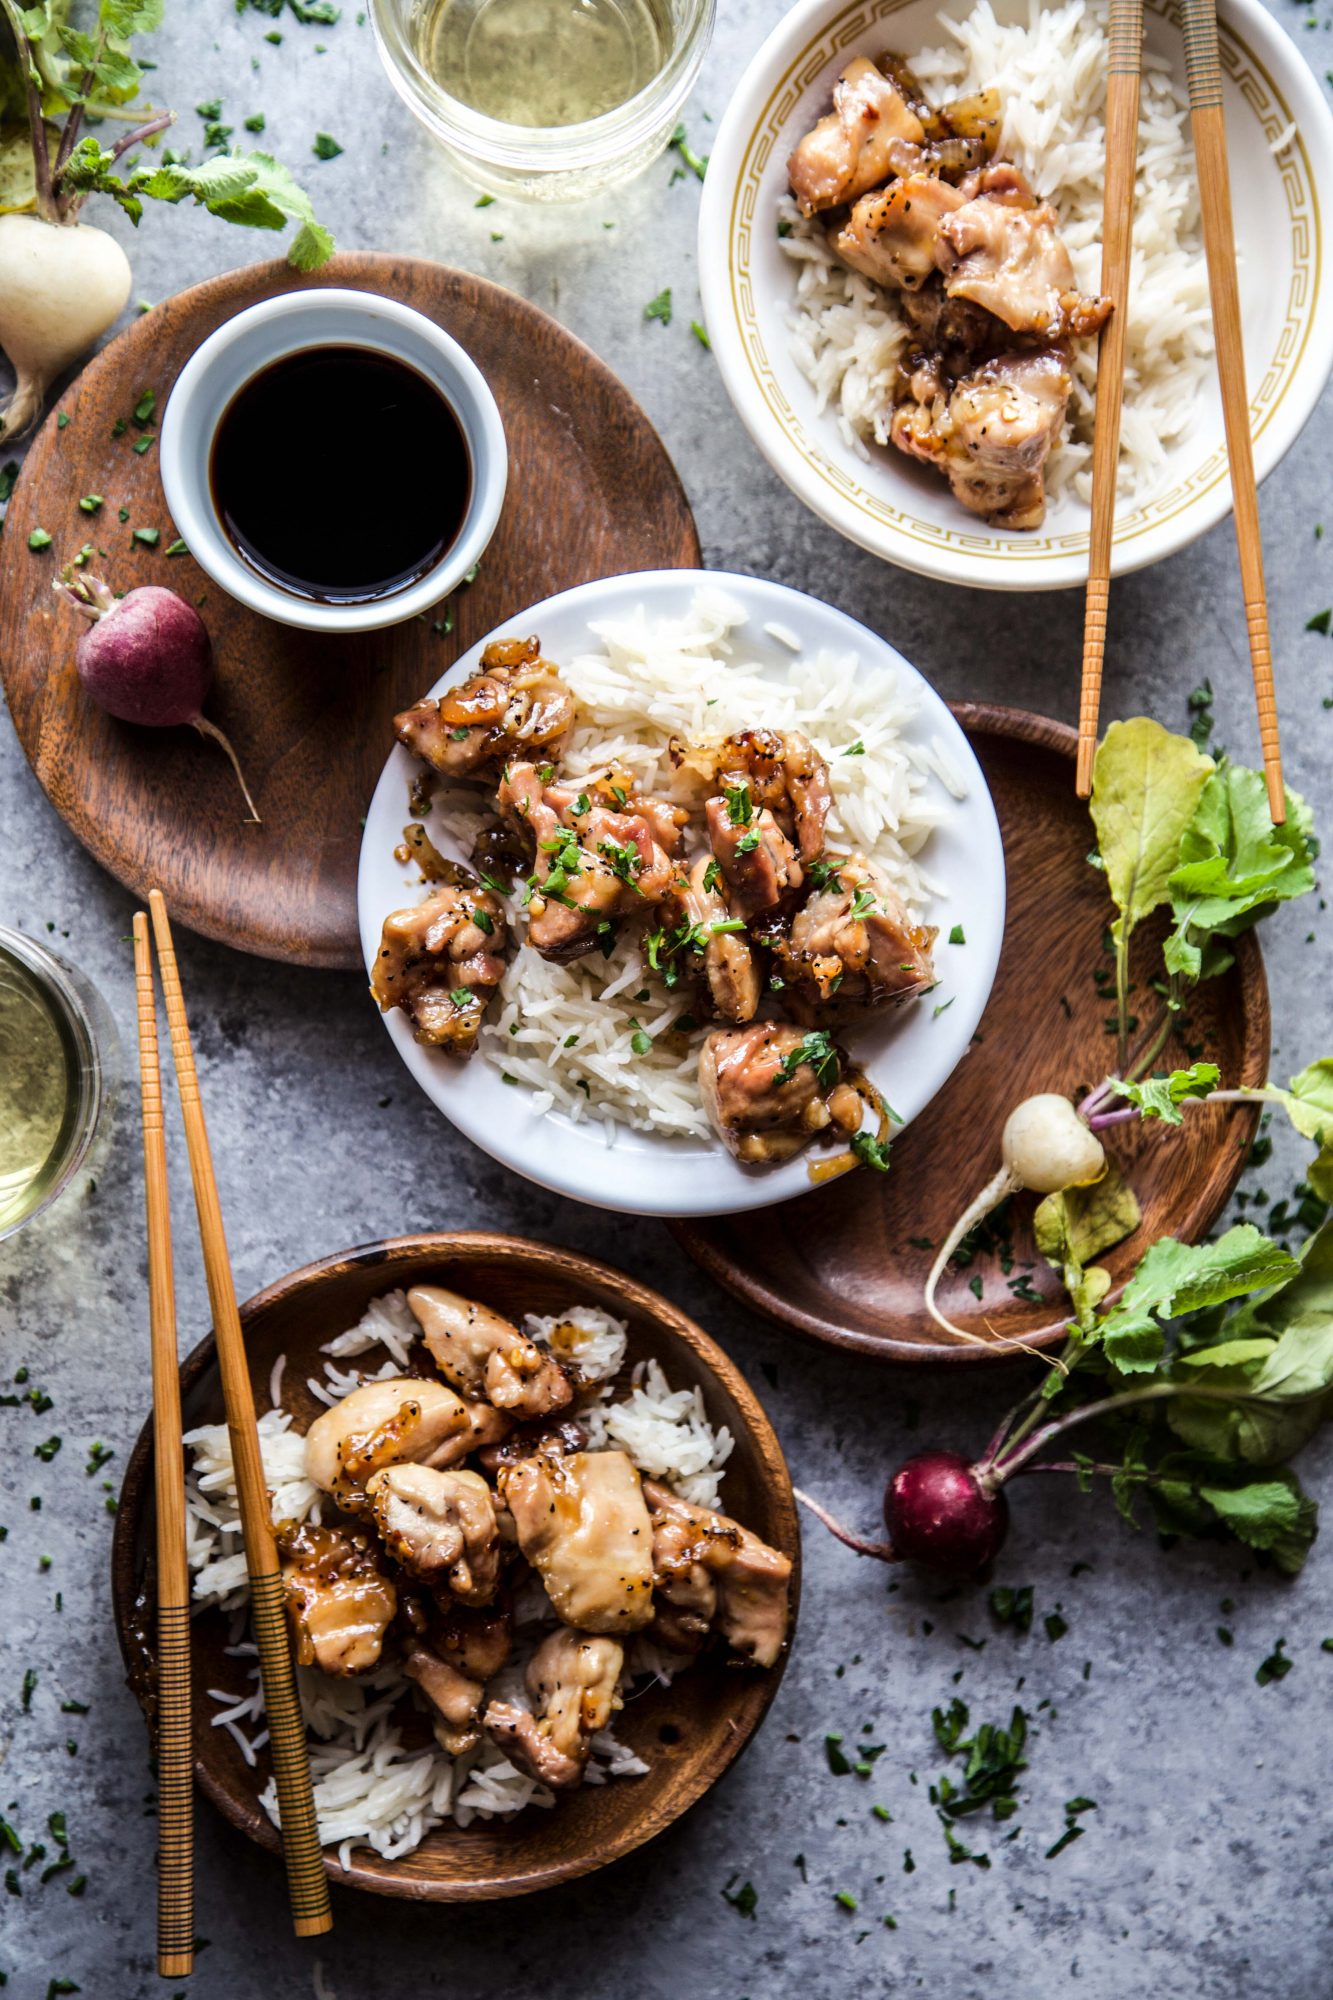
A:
x: 1204, y: 1867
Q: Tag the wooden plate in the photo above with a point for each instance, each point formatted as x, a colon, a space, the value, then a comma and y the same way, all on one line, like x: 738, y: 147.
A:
x: 689, y: 1733
x: 848, y: 1263
x: 591, y: 493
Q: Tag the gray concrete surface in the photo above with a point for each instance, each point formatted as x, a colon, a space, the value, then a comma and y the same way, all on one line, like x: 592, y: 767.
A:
x: 1204, y: 1868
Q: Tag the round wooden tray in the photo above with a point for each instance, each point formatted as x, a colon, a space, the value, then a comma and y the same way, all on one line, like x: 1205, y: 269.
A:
x: 592, y: 493
x: 688, y: 1733
x: 847, y: 1264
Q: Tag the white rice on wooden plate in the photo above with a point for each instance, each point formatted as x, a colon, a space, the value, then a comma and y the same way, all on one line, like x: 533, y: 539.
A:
x: 588, y: 1038
x: 369, y: 1789
x: 1050, y: 71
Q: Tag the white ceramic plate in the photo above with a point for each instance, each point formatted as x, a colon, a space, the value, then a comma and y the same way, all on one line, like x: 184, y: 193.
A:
x: 908, y: 1055
x: 1283, y: 206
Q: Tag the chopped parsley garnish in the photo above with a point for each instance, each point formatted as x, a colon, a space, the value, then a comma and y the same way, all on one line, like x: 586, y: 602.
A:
x: 640, y: 1042
x: 837, y: 1761
x: 626, y: 861
x: 747, y: 842
x: 581, y: 805
x: 823, y: 875
x: 740, y: 806
x: 39, y: 539
x: 956, y: 935
x: 150, y: 537
x: 1321, y: 622
x: 862, y: 903
x: 90, y: 502
x: 701, y: 335
x: 696, y: 162
x: 744, y: 1900
x: 870, y: 1151
x: 817, y: 1049
x: 145, y: 406
x: 857, y: 749
x: 326, y: 147
x: 660, y: 307
x: 1275, y: 1668
x: 712, y: 875
x: 483, y: 921
x: 720, y: 929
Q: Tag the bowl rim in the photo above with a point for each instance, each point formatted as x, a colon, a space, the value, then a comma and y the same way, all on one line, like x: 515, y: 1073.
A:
x: 293, y: 322
x: 136, y: 1504
x: 1292, y: 84
x: 632, y: 1181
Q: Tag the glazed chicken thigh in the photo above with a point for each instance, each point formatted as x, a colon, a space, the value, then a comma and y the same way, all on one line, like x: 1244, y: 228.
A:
x: 770, y: 1088
x: 868, y: 135
x: 514, y: 705
x: 338, y: 1599
x: 711, y: 1572
x: 852, y: 949
x: 573, y: 1680
x: 391, y: 1423
x: 440, y: 1525
x: 441, y: 961
x: 582, y: 1524
x: 592, y: 865
x: 484, y: 1354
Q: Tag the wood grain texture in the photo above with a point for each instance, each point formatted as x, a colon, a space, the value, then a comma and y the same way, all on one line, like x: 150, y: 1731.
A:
x: 1203, y: 71
x: 688, y: 1733
x: 592, y: 493
x: 307, y: 1888
x: 847, y: 1264
x: 175, y: 1750
x: 1122, y: 150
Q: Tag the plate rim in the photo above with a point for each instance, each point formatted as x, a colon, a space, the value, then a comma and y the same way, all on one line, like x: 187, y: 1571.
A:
x: 1019, y: 725
x: 759, y: 1193
x: 136, y: 1505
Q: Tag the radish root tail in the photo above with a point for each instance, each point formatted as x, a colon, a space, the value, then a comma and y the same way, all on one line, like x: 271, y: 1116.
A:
x: 211, y: 730
x: 1001, y: 1185
x: 20, y: 413
x: 882, y: 1551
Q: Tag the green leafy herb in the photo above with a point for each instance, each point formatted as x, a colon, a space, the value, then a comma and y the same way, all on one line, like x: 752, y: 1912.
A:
x: 39, y: 539
x: 660, y: 307
x: 956, y: 935
x: 1276, y: 1667
x: 870, y: 1151
x: 818, y: 1051
x: 1162, y: 1096
x: 697, y: 164
x: 326, y: 147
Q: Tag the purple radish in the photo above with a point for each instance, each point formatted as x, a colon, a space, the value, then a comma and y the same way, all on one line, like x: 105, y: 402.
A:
x: 939, y: 1509
x: 147, y: 658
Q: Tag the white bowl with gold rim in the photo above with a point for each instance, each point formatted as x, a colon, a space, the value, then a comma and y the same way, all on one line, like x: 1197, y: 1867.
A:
x: 903, y: 511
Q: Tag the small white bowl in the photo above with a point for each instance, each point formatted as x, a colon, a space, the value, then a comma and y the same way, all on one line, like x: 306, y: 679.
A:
x: 908, y: 1056
x: 249, y: 342
x: 905, y: 512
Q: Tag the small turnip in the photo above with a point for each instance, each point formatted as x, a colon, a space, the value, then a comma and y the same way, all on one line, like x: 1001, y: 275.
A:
x: 61, y: 287
x: 146, y: 658
x: 1045, y: 1146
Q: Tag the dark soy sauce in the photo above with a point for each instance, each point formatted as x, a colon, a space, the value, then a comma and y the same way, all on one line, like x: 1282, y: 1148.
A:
x: 340, y: 474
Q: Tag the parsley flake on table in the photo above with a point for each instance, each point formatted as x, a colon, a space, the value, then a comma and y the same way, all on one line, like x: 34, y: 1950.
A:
x: 326, y: 147
x: 660, y: 307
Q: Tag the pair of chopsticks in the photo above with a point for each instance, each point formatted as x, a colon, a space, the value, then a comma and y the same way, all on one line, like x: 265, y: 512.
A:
x: 306, y: 1882
x: 1204, y: 73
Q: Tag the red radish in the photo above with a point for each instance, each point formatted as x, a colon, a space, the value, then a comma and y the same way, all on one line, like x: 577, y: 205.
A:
x: 146, y: 658
x: 941, y: 1511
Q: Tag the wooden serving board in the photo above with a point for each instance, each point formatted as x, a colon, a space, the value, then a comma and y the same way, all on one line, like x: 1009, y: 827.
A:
x: 848, y: 1264
x: 592, y: 493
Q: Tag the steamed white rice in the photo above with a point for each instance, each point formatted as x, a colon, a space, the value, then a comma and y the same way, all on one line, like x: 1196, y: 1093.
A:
x: 1050, y: 71
x: 369, y: 1789
x: 568, y: 1032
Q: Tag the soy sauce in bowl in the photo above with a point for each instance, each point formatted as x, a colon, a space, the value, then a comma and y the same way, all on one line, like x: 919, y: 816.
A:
x: 340, y: 474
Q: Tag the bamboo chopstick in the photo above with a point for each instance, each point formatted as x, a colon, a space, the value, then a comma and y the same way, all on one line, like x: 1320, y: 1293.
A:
x: 1122, y: 151
x: 306, y: 1882
x: 175, y: 1745
x: 1203, y: 70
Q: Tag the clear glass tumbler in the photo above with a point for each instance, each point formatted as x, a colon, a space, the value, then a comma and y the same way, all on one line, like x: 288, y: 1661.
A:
x: 551, y: 162
x: 59, y: 1074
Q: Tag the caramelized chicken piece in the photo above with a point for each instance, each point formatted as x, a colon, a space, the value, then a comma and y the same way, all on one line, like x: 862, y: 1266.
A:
x: 769, y: 1088
x: 780, y: 770
x: 484, y: 1354
x: 453, y: 1698
x: 993, y: 436
x: 440, y: 1526
x: 953, y: 332
x: 890, y: 235
x: 559, y: 1439
x: 702, y: 934
x: 712, y: 1572
x: 593, y: 865
x: 440, y: 962
x: 475, y: 1640
x: 573, y: 1680
x: 853, y: 949
x: 392, y: 1423
x: 582, y: 1524
x: 868, y: 135
x: 1002, y: 249
x: 338, y: 1599
x: 757, y: 860
x: 515, y: 704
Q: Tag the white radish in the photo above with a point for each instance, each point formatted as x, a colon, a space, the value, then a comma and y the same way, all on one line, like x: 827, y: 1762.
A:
x: 61, y: 286
x: 1045, y: 1146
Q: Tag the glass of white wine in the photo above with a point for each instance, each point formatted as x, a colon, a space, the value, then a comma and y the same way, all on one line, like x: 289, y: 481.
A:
x: 59, y: 1068
x: 548, y: 100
